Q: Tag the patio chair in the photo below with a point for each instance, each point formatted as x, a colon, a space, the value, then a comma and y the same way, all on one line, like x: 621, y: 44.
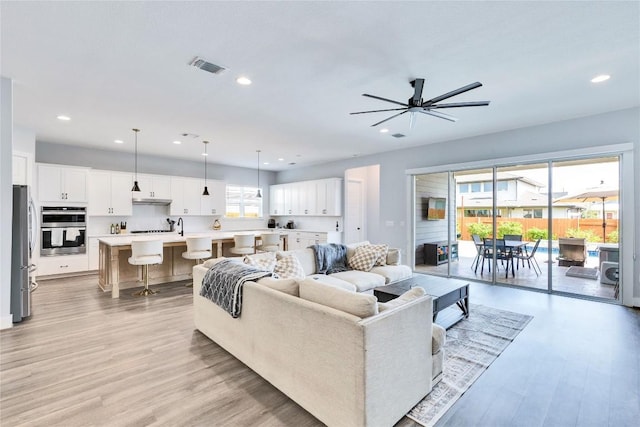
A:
x: 518, y: 238
x: 479, y: 248
x: 502, y: 253
x: 530, y: 257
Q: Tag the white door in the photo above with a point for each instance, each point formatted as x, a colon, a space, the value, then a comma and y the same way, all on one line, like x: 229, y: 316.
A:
x: 354, y: 227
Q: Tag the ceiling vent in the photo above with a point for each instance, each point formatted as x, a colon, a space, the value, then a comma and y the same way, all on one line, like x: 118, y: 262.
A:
x: 207, y: 66
x: 398, y: 135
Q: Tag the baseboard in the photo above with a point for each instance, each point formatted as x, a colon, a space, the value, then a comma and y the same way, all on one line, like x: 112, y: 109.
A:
x: 6, y: 322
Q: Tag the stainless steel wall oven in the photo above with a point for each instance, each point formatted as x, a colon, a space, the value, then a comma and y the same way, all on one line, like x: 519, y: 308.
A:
x: 63, y: 230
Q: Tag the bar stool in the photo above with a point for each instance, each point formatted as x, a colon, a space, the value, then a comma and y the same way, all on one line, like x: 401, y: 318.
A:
x: 244, y: 244
x: 270, y: 242
x: 145, y: 253
x: 198, y: 248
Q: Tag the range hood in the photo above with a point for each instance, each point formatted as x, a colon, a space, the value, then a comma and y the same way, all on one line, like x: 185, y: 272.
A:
x: 150, y: 201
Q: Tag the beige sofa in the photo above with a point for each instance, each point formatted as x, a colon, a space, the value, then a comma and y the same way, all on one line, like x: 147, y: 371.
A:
x: 344, y: 369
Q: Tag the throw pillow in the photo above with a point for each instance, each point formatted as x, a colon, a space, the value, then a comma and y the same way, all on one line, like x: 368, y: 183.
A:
x: 262, y: 262
x: 410, y: 295
x: 383, y: 250
x: 393, y: 256
x: 361, y: 305
x: 366, y: 256
x: 288, y: 267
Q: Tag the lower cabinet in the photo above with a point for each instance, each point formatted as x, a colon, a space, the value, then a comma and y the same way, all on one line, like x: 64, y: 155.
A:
x: 437, y: 253
x: 304, y: 239
x: 62, y: 264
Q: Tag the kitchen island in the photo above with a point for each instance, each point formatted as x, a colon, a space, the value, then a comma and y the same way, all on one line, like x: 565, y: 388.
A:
x: 116, y: 273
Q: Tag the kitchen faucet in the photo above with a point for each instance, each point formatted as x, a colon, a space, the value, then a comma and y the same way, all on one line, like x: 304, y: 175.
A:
x: 181, y: 224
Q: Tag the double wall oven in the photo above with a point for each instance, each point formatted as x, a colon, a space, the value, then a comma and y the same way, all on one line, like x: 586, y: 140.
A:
x: 63, y: 230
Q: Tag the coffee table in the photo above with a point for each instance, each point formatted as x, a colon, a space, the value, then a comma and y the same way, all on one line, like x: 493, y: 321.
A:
x: 444, y: 291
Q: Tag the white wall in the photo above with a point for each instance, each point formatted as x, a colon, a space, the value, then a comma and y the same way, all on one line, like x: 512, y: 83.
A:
x: 6, y: 199
x: 611, y: 128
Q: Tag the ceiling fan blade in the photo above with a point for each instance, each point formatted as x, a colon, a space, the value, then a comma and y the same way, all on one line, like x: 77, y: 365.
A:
x: 417, y: 84
x: 378, y: 111
x: 389, y: 118
x: 452, y: 93
x: 440, y: 115
x: 461, y: 104
x: 384, y: 99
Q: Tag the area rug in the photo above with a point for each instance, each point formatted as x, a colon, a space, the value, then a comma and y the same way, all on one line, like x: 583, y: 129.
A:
x: 472, y: 345
x: 583, y: 272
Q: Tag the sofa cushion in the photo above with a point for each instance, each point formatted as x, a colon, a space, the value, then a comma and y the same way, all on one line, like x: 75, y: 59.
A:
x: 363, y: 280
x: 288, y: 286
x: 360, y: 305
x: 213, y: 261
x: 366, y: 256
x: 288, y: 267
x: 393, y: 273
x: 264, y: 261
x: 438, y: 338
x: 410, y: 295
x: 393, y: 256
x: 351, y: 248
x: 334, y: 281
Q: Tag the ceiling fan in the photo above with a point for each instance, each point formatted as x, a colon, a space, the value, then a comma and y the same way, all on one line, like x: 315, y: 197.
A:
x: 415, y: 104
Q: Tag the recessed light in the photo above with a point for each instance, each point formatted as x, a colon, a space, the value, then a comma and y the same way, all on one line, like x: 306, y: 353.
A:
x: 64, y: 118
x: 245, y: 81
x: 118, y: 141
x: 265, y: 163
x: 384, y: 130
x: 205, y: 154
x: 281, y: 159
x: 177, y: 142
x: 600, y: 78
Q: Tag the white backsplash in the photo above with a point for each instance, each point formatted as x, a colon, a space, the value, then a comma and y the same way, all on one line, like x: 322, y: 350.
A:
x: 154, y: 217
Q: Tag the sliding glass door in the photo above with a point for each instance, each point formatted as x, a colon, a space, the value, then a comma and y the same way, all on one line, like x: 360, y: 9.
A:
x: 550, y: 226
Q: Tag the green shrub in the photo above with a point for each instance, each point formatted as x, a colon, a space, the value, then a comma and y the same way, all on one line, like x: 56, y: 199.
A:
x: 482, y: 230
x: 588, y: 235
x: 509, y: 228
x: 534, y: 234
x: 612, y: 237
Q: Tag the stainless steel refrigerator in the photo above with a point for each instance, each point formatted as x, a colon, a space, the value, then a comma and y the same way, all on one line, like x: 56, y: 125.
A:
x: 22, y: 246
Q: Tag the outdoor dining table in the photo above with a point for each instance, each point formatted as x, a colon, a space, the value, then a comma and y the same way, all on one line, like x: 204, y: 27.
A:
x: 511, y: 246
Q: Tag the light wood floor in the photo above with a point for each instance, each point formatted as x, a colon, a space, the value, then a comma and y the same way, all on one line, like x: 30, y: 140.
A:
x: 84, y: 359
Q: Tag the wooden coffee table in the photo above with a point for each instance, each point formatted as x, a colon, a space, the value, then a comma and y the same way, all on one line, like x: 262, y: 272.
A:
x: 444, y: 291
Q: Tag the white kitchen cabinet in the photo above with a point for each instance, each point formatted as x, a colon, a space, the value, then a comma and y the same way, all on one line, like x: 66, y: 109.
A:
x: 321, y: 197
x: 109, y: 193
x: 94, y: 253
x: 276, y: 199
x: 216, y: 202
x: 62, y: 264
x: 21, y: 168
x: 329, y: 197
x: 185, y: 196
x: 304, y: 239
x: 62, y: 183
x: 153, y: 187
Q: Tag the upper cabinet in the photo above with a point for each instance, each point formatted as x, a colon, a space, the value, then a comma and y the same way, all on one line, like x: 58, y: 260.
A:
x: 153, y: 187
x: 62, y: 183
x: 110, y: 193
x: 216, y: 202
x: 185, y: 196
x: 311, y: 198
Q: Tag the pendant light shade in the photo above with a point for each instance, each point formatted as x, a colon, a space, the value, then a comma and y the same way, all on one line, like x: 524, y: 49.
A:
x: 206, y: 190
x: 258, y: 194
x: 136, y: 187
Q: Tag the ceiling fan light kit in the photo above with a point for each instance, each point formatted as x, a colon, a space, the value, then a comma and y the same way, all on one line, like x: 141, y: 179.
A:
x: 416, y: 104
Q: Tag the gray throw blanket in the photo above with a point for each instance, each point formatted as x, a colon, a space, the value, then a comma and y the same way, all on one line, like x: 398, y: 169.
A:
x: 223, y: 284
x: 330, y: 258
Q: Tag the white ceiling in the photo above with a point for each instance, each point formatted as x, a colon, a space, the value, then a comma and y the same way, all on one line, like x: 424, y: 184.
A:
x: 113, y: 66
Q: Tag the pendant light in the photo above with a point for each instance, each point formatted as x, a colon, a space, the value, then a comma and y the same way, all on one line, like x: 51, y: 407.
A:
x: 135, y: 182
x: 259, y: 194
x: 206, y: 190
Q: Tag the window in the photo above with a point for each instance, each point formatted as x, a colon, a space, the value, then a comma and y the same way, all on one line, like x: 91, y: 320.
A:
x: 243, y: 203
x: 532, y: 213
x: 488, y: 186
x: 464, y: 188
x: 475, y: 187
